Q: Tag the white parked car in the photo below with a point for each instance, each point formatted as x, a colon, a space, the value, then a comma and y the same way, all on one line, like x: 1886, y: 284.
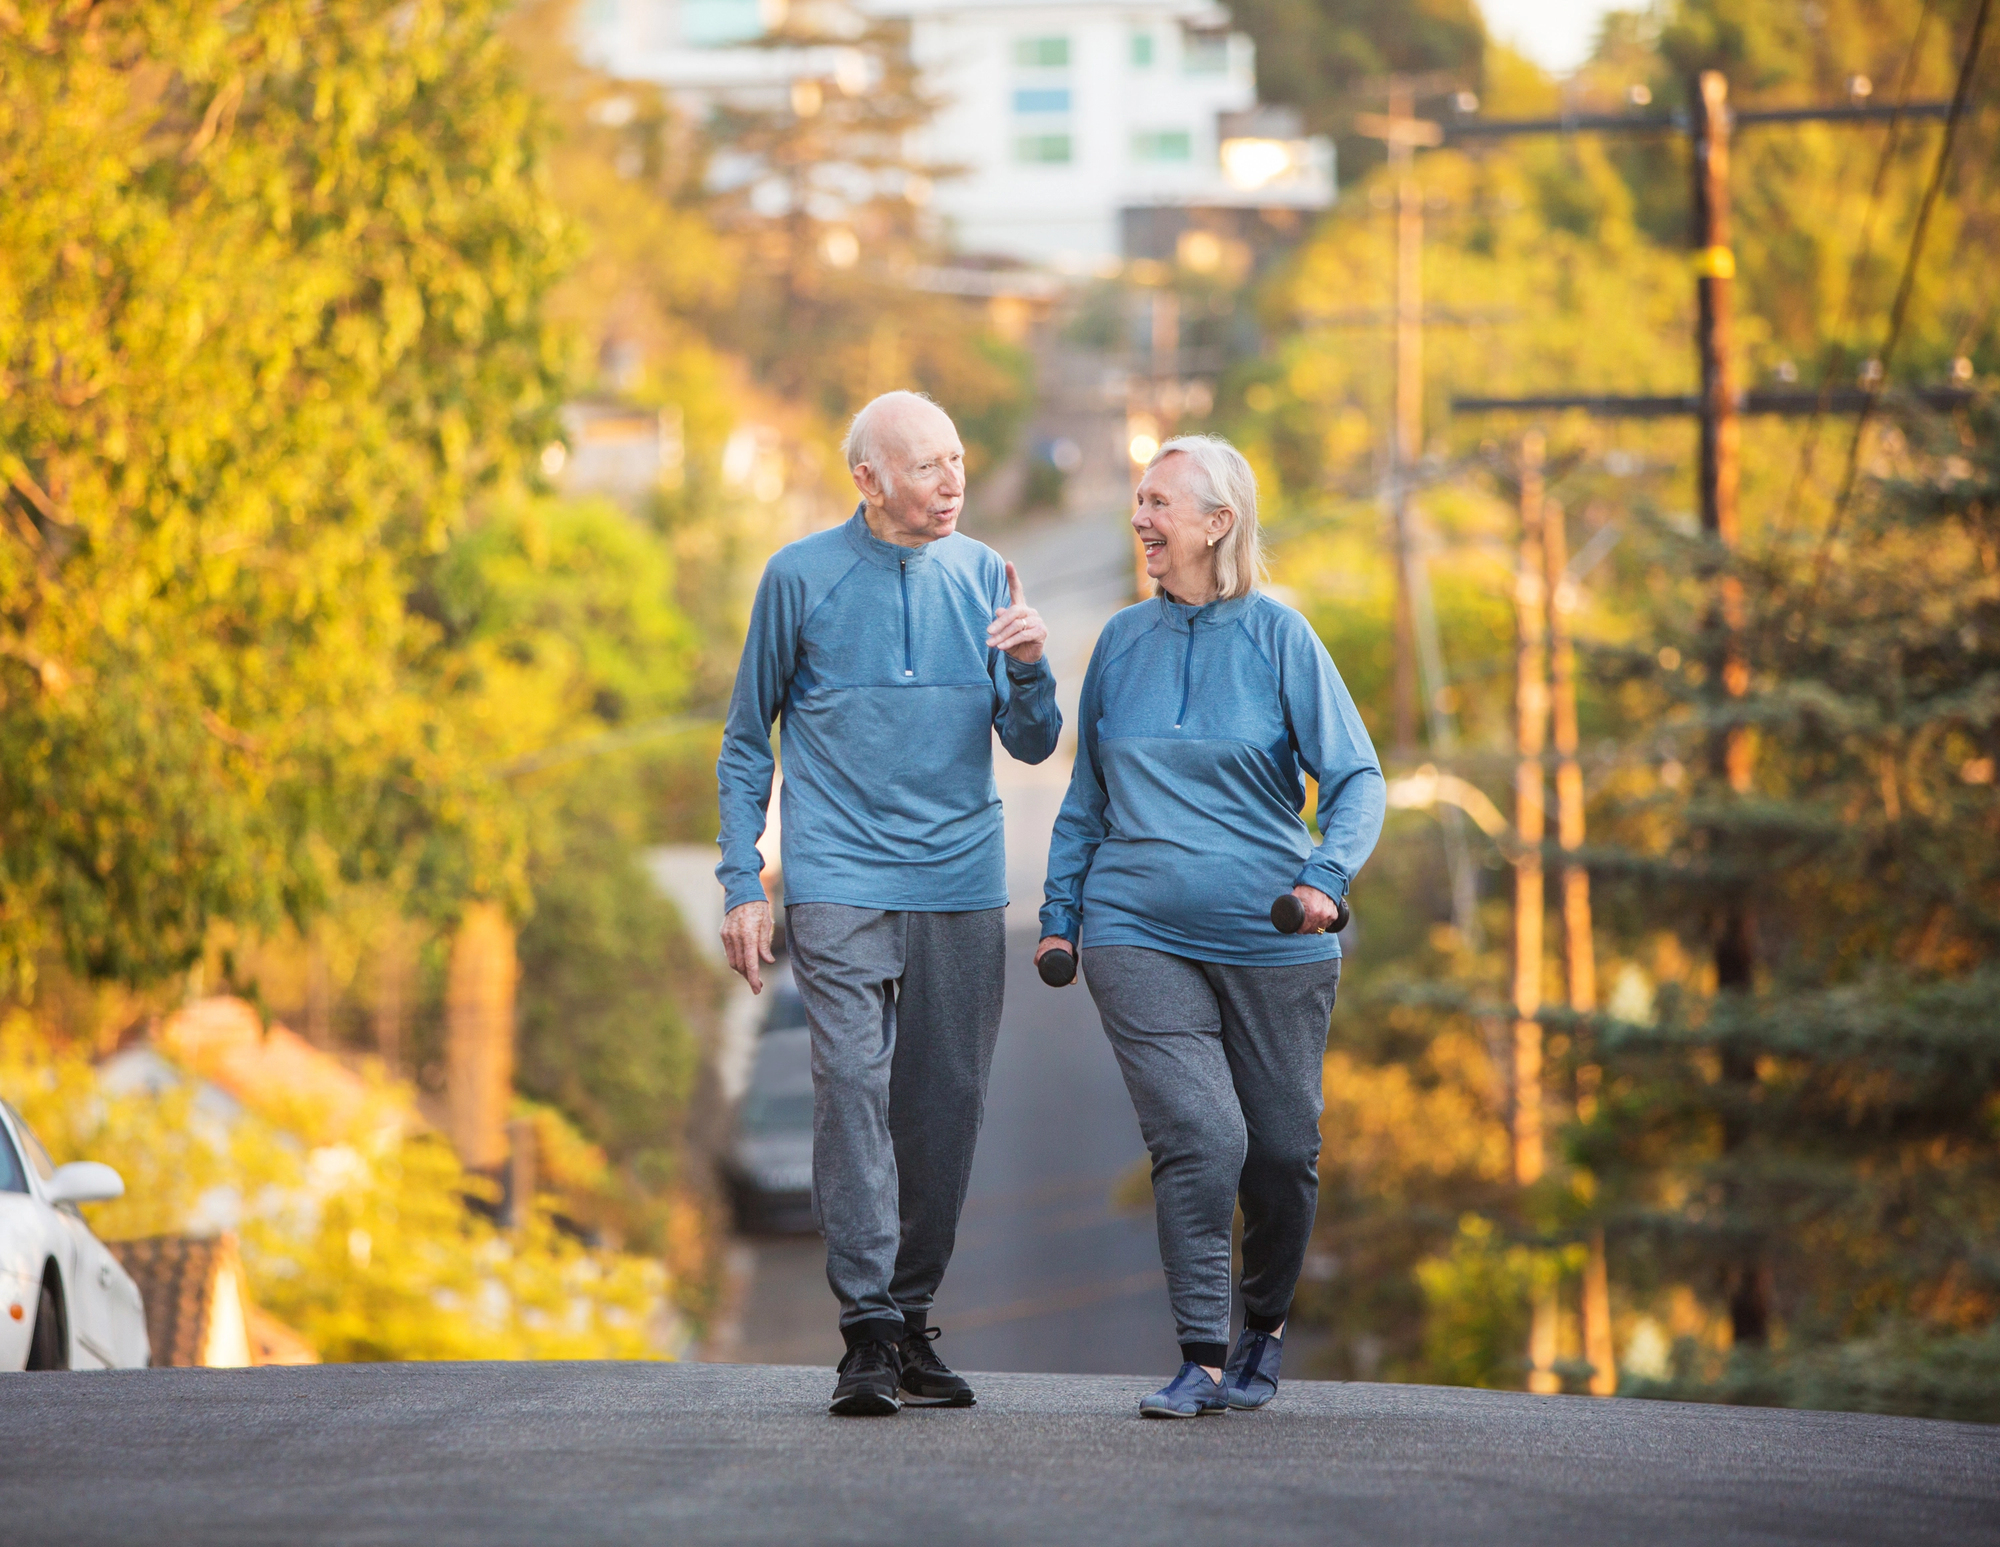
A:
x: 65, y: 1301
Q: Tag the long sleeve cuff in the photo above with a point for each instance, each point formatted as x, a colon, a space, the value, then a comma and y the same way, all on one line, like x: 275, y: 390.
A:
x: 1059, y: 919
x: 1323, y: 876
x: 740, y: 892
x: 1025, y: 672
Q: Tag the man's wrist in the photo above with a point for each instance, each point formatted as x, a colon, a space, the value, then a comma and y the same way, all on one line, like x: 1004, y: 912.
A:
x: 1024, y: 670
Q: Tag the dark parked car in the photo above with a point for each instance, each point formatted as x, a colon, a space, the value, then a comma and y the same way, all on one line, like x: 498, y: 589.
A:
x: 768, y: 1166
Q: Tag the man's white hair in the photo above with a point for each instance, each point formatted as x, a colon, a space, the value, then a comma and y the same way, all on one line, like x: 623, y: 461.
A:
x: 863, y: 441
x: 1223, y: 479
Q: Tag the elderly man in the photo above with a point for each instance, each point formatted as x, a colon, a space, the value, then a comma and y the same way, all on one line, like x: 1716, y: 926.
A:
x: 894, y: 648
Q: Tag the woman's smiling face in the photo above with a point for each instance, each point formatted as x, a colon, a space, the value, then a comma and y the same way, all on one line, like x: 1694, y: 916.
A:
x: 1174, y: 531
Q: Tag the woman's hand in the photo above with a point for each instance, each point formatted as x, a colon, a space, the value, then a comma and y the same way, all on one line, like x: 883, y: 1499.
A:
x: 1320, y: 910
x: 1052, y: 943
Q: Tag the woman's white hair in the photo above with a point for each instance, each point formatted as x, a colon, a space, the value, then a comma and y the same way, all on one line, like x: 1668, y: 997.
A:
x: 1223, y: 480
x: 863, y: 440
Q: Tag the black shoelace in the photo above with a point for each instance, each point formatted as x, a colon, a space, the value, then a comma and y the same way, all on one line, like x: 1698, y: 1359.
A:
x: 870, y: 1358
x: 917, y: 1350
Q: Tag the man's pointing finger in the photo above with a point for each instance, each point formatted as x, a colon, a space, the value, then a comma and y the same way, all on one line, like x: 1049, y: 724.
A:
x: 1014, y: 584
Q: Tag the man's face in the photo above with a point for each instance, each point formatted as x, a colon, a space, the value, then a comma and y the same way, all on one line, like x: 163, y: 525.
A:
x: 917, y: 495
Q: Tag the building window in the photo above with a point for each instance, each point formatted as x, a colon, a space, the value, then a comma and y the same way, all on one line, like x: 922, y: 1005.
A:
x: 1042, y: 149
x: 1041, y: 53
x: 1162, y: 145
x: 1042, y: 99
x: 1142, y: 51
x: 712, y: 23
x: 1205, y: 53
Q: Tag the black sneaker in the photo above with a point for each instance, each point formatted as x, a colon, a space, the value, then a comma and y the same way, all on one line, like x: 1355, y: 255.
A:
x: 927, y: 1379
x: 867, y: 1386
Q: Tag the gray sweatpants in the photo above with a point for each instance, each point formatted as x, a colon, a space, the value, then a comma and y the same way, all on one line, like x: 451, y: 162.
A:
x: 1224, y: 1065
x: 904, y: 1010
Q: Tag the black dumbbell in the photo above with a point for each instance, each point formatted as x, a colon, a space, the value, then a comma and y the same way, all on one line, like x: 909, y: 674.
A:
x: 1288, y: 915
x: 1057, y: 967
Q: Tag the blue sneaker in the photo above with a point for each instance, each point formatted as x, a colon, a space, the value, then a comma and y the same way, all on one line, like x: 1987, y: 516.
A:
x: 1190, y: 1394
x: 1250, y: 1379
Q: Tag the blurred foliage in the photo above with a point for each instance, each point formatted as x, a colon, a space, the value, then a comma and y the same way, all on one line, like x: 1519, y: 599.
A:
x: 1822, y: 1147
x: 1325, y: 56
x: 272, y: 321
x: 829, y: 212
x: 1830, y: 1133
x: 297, y: 659
x: 612, y: 998
x: 353, y: 1231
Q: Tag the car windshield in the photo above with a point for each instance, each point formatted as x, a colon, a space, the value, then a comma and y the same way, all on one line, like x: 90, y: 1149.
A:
x: 12, y: 1177
x: 772, y: 1112
x: 37, y: 1156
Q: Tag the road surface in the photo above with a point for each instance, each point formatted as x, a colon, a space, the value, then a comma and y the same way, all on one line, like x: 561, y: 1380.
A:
x: 493, y: 1455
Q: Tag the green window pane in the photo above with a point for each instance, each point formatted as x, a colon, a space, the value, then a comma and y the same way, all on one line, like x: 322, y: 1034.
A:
x: 1042, y: 149
x: 1205, y: 53
x: 1163, y: 145
x: 1041, y: 53
x: 1142, y: 50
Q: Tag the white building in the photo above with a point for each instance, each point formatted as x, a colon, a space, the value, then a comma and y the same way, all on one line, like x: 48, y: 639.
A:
x: 1089, y: 130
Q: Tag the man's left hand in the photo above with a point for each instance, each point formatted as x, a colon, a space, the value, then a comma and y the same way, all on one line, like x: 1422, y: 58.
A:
x: 1017, y: 629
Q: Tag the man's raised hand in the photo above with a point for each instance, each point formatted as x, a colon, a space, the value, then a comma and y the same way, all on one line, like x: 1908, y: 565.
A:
x: 746, y: 940
x: 1017, y: 628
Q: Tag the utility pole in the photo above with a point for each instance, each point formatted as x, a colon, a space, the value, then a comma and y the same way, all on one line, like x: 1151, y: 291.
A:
x: 1710, y: 125
x: 1402, y: 131
x: 1721, y: 455
x: 1407, y: 435
x: 1531, y: 719
x: 1728, y: 671
x: 1419, y: 670
x: 1579, y: 955
x: 1579, y: 949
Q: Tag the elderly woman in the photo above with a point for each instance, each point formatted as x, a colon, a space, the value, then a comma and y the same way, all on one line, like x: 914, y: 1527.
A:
x: 1201, y: 711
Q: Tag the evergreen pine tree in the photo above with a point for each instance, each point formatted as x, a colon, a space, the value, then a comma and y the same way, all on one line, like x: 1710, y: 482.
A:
x: 1816, y: 1151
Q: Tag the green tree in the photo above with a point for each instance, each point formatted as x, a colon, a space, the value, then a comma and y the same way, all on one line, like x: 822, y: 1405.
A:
x: 1317, y: 55
x: 1755, y: 1134
x: 271, y: 322
x: 354, y: 1228
x: 829, y: 213
x: 1830, y: 1132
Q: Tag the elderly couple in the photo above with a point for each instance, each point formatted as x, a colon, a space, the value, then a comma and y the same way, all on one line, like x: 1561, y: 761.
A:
x: 893, y: 648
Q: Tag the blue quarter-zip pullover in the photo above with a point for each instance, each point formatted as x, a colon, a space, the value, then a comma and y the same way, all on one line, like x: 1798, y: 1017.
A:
x: 876, y: 657
x: 1182, y: 819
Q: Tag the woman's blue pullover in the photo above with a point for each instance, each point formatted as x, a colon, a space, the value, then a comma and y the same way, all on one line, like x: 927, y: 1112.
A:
x: 1182, y: 819
x: 876, y: 657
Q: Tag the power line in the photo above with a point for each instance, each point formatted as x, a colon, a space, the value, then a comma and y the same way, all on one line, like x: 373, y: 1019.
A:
x: 1830, y: 358
x: 1900, y: 310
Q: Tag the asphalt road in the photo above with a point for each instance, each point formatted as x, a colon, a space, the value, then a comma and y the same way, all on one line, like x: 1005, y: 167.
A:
x: 491, y: 1455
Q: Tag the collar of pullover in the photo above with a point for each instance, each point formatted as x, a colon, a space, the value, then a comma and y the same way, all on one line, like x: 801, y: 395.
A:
x: 1182, y: 618
x: 873, y: 549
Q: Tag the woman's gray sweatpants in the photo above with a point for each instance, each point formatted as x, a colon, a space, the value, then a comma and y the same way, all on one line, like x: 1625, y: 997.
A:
x: 1224, y: 1064
x: 904, y: 1010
